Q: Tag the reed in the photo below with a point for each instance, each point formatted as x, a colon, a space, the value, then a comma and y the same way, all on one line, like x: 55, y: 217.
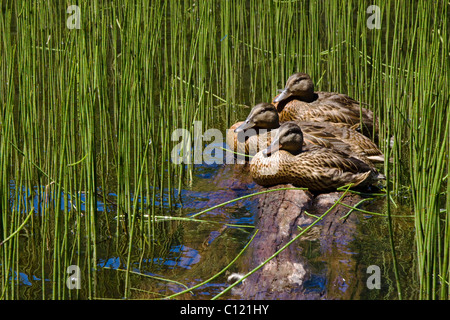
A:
x: 88, y: 114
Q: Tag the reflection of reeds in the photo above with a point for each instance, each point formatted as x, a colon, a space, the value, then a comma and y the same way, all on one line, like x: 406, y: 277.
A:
x: 96, y: 107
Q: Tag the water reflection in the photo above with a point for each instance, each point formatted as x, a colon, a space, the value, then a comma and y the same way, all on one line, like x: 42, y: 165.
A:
x: 190, y: 252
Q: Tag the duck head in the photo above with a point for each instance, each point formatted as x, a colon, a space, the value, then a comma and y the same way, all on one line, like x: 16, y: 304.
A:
x: 299, y: 84
x: 289, y: 138
x: 262, y: 116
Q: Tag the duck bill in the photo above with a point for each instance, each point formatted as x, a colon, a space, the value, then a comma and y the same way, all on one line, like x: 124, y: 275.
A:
x: 274, y: 146
x: 283, y: 95
x: 247, y: 124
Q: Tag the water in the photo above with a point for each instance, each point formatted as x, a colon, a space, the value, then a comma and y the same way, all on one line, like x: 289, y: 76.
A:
x: 188, y: 252
x: 191, y: 252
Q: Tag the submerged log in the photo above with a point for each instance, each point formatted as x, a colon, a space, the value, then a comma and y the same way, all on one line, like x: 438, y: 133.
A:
x: 280, y: 213
x: 290, y: 275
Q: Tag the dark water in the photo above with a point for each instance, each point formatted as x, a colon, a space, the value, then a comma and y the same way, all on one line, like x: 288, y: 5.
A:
x: 191, y: 252
x: 188, y: 252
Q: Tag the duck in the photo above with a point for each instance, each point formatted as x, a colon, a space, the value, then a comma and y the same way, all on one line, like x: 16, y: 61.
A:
x: 326, y: 134
x: 255, y: 133
x: 287, y: 161
x: 299, y: 102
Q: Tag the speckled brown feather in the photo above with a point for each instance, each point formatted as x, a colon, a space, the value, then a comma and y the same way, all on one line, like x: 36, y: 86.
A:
x: 316, y: 168
x: 337, y: 136
x: 325, y: 110
x: 299, y: 102
x: 249, y: 143
x: 355, y: 141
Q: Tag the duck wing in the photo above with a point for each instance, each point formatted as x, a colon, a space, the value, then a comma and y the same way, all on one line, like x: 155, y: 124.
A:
x: 343, y: 138
x: 317, y: 157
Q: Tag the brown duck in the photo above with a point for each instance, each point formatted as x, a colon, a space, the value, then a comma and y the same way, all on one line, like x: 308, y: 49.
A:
x: 317, y: 168
x: 258, y: 130
x: 299, y: 102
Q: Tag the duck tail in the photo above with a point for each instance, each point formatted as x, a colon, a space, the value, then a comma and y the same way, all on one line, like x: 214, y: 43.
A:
x: 376, y: 159
x: 380, y: 176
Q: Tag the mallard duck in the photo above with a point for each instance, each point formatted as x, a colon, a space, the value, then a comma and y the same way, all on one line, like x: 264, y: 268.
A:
x: 299, y: 102
x: 265, y: 116
x: 314, y: 167
x: 256, y: 132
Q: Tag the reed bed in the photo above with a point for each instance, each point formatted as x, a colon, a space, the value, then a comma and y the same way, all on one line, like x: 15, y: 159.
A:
x: 88, y: 116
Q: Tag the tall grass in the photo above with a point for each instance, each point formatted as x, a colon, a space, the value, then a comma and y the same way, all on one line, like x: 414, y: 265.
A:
x: 88, y: 114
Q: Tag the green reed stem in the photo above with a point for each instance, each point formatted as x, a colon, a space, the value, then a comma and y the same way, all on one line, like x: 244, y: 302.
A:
x: 217, y: 274
x: 18, y: 229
